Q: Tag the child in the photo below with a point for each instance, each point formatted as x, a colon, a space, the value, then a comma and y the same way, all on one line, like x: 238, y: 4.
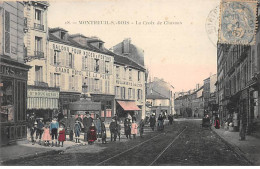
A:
x: 127, y: 125
x: 92, y: 134
x: 54, y: 131
x: 134, y: 128
x: 46, y: 135
x: 103, y: 133
x: 62, y: 136
x: 77, y: 129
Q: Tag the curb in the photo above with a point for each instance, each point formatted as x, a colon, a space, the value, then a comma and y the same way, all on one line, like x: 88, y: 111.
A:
x: 235, y: 149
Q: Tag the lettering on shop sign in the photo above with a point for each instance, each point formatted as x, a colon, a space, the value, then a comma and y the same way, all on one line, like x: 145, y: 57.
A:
x: 67, y: 70
x: 47, y: 94
x: 128, y: 83
x: 13, y: 72
x: 80, y: 52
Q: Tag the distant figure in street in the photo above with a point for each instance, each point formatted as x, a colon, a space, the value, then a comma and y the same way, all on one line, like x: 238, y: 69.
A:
x: 152, y: 121
x: 113, y: 130
x: 146, y: 120
x: 160, y: 122
x: 134, y: 129
x: 77, y: 130
x: 216, y: 123
x: 170, y: 118
x: 46, y: 135
x: 54, y: 131
x: 118, y: 130
x: 87, y: 122
x: 39, y: 130
x: 206, y: 121
x: 127, y: 125
x: 92, y: 134
x: 103, y: 132
x: 62, y: 136
x: 141, y: 127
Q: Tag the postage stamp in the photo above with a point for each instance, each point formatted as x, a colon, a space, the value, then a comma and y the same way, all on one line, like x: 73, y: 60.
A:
x: 238, y: 22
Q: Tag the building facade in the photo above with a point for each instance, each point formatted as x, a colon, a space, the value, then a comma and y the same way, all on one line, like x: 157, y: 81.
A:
x: 159, y: 96
x: 13, y: 73
x: 42, y: 99
x: 129, y: 87
x: 238, y: 84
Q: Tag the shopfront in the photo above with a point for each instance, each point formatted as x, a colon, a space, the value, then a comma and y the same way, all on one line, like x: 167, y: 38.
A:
x: 65, y: 99
x: 125, y: 108
x: 13, y: 87
x: 43, y: 101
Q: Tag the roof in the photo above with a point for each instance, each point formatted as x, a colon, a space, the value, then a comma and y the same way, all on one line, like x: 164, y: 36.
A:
x: 73, y: 43
x: 119, y: 59
x: 56, y: 29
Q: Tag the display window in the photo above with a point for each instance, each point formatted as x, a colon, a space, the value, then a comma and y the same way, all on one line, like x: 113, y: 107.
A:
x: 6, y: 100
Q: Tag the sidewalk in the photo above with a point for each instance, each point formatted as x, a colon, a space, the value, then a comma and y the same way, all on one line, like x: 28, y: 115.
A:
x: 250, y: 148
x: 25, y: 149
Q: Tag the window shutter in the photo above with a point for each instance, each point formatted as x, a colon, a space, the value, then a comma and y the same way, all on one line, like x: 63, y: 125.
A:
x: 73, y: 59
x: 133, y: 93
x: 62, y: 81
x: 70, y: 82
x: 51, y: 79
x: 83, y: 62
x: 67, y: 59
x: 100, y: 83
x: 51, y: 57
x: 76, y: 82
x: 7, y: 32
x: 62, y: 56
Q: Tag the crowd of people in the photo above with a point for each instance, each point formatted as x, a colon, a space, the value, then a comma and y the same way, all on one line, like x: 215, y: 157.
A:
x: 54, y: 133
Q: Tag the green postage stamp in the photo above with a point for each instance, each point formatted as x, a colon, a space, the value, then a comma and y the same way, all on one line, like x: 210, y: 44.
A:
x: 238, y: 22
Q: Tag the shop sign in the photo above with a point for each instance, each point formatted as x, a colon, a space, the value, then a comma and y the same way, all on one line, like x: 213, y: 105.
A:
x: 43, y: 93
x: 12, y: 72
x: 128, y: 83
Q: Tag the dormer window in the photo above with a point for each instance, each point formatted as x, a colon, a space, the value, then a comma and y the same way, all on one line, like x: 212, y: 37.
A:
x: 63, y: 35
x: 100, y: 45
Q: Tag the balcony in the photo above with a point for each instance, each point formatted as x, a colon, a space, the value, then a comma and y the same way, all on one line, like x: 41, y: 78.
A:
x: 39, y: 83
x: 39, y: 26
x: 38, y: 54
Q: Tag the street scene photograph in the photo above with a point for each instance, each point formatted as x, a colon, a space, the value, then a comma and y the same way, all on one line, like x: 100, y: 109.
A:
x: 130, y: 83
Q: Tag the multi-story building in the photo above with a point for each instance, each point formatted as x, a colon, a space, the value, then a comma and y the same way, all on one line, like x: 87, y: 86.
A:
x: 238, y: 83
x: 75, y: 61
x: 159, y: 95
x: 13, y: 73
x: 208, y: 92
x: 129, y: 87
x: 42, y: 99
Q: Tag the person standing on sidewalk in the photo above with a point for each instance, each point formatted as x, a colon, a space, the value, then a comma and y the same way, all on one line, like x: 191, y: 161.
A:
x: 134, y: 129
x: 216, y: 123
x: 39, y: 130
x: 31, y: 126
x: 87, y: 121
x: 77, y: 129
x: 127, y: 125
x: 62, y: 135
x: 103, y: 132
x: 46, y: 135
x: 54, y: 131
x: 141, y: 127
x: 242, y: 129
x: 113, y: 130
x: 98, y: 127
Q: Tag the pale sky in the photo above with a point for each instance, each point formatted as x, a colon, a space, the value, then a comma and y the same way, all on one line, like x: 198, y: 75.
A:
x: 181, y: 54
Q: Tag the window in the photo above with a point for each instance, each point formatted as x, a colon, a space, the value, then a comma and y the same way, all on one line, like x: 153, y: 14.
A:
x: 96, y: 85
x: 123, y: 92
x: 96, y: 67
x: 139, y: 94
x: 107, y: 86
x: 7, y: 32
x: 130, y: 74
x: 117, y: 91
x: 37, y: 15
x: 63, y: 35
x: 129, y: 93
x: 20, y: 88
x: 124, y: 75
x: 107, y: 67
x: 56, y: 80
x: 71, y: 60
x: 38, y: 74
x: 38, y: 44
x: 84, y: 63
x: 139, y: 75
x: 7, y: 102
x: 56, y: 57
x: 117, y: 72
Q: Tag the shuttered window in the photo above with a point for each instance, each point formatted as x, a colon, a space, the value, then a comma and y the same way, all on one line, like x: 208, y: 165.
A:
x: 62, y: 82
x: 51, y: 79
x: 7, y: 32
x: 51, y: 56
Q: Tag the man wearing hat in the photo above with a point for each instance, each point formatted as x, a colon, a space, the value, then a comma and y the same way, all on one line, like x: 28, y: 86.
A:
x: 152, y: 121
x: 54, y: 130
x: 39, y: 130
x: 87, y: 121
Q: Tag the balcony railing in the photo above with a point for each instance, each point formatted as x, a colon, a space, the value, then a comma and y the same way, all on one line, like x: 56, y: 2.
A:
x: 39, y: 26
x: 38, y: 54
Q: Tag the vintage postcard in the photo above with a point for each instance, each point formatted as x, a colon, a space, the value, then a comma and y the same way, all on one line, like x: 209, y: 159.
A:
x: 130, y: 83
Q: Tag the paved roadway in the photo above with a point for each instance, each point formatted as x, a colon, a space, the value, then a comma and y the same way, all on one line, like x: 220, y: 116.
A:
x: 184, y: 143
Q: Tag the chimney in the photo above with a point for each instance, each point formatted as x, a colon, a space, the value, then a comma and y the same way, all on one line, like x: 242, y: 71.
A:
x: 126, y: 45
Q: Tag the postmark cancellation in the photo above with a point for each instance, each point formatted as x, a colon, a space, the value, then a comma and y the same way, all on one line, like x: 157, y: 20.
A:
x: 238, y: 22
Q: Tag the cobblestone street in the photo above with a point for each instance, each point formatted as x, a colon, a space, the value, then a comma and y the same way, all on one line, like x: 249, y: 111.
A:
x: 185, y: 143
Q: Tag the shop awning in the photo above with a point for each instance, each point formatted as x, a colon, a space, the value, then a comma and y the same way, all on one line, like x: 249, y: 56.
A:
x: 128, y: 105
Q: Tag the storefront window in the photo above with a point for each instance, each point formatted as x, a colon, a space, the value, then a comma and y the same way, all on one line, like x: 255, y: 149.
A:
x: 6, y: 100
